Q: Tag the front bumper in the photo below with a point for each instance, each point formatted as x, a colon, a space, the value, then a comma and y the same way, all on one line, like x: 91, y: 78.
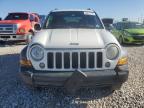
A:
x: 94, y: 78
x: 132, y: 40
x: 12, y: 37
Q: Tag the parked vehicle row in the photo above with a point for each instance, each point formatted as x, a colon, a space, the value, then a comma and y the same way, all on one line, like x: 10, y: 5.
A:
x: 20, y: 27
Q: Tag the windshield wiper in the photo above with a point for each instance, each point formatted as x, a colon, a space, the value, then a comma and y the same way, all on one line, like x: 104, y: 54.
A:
x: 56, y: 26
x: 86, y: 26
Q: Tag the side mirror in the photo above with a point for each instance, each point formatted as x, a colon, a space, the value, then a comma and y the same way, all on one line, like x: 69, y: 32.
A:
x: 37, y: 27
x: 0, y: 19
x: 31, y: 20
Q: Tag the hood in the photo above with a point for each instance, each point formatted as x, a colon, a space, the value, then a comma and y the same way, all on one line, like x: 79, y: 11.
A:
x: 12, y: 21
x: 135, y: 31
x: 74, y: 38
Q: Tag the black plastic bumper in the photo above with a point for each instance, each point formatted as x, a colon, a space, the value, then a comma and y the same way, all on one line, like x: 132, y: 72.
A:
x: 94, y: 78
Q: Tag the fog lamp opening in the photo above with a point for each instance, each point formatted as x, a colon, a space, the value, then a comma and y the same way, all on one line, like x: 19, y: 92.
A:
x: 42, y: 65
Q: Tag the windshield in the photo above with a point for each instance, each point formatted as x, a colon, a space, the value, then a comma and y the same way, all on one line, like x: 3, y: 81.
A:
x: 128, y: 25
x: 73, y: 19
x: 17, y: 16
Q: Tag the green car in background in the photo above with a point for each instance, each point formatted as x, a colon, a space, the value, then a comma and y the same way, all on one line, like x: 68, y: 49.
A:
x: 127, y: 32
x: 130, y: 32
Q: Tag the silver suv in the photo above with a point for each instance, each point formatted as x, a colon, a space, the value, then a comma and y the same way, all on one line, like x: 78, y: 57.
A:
x: 74, y: 50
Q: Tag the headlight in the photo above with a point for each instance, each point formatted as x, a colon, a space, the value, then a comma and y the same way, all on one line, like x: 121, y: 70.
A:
x: 37, y: 53
x: 127, y: 33
x: 22, y: 30
x: 112, y: 52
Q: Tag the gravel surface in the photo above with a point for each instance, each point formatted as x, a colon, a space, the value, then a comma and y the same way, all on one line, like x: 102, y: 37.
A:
x: 15, y: 94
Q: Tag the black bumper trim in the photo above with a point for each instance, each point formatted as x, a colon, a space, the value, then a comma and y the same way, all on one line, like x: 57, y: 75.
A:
x: 94, y: 78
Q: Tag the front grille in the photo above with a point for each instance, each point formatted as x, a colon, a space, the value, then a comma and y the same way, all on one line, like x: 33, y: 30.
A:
x: 88, y: 60
x: 6, y: 25
x: 138, y: 37
x: 7, y: 28
x: 8, y: 32
x: 4, y: 36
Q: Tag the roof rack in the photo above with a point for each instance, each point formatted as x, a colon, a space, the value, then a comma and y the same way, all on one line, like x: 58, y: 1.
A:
x: 89, y: 9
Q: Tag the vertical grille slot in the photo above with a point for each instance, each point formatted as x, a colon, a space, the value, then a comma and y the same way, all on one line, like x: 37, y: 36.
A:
x: 99, y: 59
x: 74, y: 60
x: 50, y: 60
x: 66, y: 60
x: 91, y: 60
x: 82, y: 60
x: 58, y: 60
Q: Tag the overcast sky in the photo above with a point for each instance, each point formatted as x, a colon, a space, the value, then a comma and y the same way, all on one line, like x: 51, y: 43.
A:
x: 105, y: 8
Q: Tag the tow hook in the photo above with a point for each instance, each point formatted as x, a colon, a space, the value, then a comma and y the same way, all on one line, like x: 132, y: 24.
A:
x: 31, y: 75
x: 75, y: 81
x: 117, y: 73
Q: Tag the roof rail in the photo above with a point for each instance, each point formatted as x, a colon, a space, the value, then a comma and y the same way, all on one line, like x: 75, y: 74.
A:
x: 89, y: 9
